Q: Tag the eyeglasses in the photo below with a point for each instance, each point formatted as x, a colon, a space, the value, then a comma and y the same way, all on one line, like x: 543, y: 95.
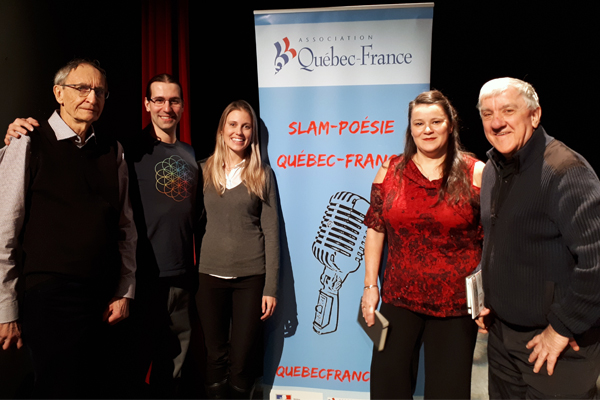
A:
x: 84, y: 91
x: 174, y: 102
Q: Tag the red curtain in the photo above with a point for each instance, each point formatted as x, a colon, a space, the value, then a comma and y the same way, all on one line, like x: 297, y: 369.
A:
x: 165, y: 49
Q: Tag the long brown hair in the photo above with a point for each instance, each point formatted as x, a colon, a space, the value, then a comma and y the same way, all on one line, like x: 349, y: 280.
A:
x: 253, y: 174
x: 456, y: 183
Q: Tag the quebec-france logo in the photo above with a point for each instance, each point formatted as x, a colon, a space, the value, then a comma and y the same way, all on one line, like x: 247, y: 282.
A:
x: 284, y: 54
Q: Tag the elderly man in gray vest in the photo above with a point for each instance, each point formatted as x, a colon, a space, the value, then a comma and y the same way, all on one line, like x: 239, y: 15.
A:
x: 67, y: 239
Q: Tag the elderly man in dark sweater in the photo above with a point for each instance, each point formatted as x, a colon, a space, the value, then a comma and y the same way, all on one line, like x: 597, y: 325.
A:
x: 540, y: 208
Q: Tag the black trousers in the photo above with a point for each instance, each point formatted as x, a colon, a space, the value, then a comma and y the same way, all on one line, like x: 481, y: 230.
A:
x: 71, y: 347
x: 448, y: 346
x: 230, y: 311
x: 159, y: 317
x: 511, y: 375
x: 149, y: 344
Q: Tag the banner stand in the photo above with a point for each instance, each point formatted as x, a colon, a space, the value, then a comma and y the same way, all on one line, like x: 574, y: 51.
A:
x: 334, y: 87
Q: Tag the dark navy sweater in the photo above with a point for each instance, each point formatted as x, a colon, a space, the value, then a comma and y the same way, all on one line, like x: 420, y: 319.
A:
x: 541, y: 256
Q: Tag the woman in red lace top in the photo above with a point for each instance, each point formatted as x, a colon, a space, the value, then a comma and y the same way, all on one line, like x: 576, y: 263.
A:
x: 425, y: 203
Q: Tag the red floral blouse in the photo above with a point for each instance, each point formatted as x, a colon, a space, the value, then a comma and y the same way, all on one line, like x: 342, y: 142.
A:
x: 431, y: 249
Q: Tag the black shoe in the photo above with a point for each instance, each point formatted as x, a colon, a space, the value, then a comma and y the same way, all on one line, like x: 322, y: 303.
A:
x: 238, y: 393
x: 217, y: 390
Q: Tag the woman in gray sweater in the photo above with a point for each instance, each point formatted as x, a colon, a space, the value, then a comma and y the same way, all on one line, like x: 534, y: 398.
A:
x: 239, y: 257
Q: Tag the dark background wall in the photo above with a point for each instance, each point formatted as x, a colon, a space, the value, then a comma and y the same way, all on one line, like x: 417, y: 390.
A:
x: 551, y: 45
x: 39, y: 37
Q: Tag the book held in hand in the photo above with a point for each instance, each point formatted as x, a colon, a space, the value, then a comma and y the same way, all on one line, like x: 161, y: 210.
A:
x: 475, y: 294
x: 377, y: 332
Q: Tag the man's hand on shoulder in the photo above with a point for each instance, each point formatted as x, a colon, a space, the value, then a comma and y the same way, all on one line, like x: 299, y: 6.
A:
x: 547, y: 347
x: 10, y: 333
x: 20, y: 126
x: 117, y: 310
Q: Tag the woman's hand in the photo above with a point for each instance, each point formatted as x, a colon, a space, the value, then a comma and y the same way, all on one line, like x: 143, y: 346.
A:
x: 19, y: 127
x: 484, y: 320
x: 370, y: 300
x: 268, y: 307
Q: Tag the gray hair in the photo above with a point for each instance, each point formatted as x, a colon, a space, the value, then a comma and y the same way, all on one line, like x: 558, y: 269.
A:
x: 61, y: 76
x: 496, y: 87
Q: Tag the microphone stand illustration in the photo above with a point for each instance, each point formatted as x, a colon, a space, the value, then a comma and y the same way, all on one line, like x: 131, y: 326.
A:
x: 340, y: 247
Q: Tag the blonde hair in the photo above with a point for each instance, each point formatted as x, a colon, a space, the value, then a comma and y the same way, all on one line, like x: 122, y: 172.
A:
x: 253, y: 175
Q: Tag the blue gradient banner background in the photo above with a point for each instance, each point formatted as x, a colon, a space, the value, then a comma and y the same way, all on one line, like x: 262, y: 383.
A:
x: 327, y: 130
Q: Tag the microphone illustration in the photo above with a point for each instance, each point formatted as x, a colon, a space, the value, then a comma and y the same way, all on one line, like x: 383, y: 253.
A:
x: 340, y: 247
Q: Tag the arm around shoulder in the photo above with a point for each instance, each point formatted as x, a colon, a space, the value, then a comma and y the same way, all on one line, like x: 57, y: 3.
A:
x: 20, y: 126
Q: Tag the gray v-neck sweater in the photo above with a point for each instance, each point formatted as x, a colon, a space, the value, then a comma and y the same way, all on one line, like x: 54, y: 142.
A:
x: 242, y: 234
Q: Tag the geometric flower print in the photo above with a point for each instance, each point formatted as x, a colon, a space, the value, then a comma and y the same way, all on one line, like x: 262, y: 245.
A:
x: 174, y: 177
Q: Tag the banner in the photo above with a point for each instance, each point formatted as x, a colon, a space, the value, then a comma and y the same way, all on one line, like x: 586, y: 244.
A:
x: 334, y: 87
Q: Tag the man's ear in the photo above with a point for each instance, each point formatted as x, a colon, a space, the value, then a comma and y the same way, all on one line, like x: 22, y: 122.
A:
x: 536, y: 116
x: 147, y: 104
x: 58, y: 94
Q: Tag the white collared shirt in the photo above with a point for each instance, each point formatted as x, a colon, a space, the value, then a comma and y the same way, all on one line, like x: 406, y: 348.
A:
x: 64, y: 132
x: 234, y: 177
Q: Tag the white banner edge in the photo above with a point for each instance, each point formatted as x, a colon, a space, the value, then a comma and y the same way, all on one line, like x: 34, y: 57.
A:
x: 344, y: 8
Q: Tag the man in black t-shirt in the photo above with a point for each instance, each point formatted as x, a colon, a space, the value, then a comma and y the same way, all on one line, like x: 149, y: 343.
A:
x: 164, y: 181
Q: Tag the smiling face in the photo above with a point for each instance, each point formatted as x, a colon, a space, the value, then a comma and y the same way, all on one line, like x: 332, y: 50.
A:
x: 507, y: 121
x: 430, y: 128
x: 237, y: 133
x: 80, y: 112
x: 165, y: 117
